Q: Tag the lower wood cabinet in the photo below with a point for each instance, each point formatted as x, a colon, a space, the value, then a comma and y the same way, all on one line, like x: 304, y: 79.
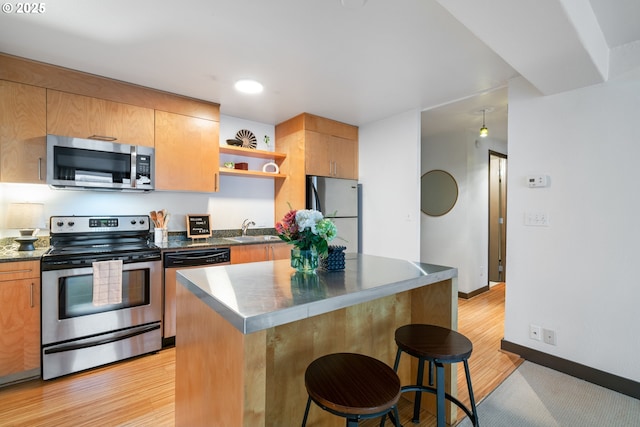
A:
x: 19, y: 321
x: 259, y: 252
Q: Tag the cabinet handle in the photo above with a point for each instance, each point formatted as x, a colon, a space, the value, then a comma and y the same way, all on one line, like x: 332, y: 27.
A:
x: 39, y: 168
x: 217, y: 183
x: 103, y: 138
x: 31, y: 296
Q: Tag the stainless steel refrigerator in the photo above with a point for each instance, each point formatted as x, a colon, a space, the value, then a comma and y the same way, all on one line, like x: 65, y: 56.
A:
x: 338, y: 199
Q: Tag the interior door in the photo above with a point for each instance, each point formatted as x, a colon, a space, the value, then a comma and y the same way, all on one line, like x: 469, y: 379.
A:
x: 497, y: 217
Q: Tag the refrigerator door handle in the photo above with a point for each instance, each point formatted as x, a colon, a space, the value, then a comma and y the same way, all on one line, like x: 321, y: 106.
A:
x: 317, y: 206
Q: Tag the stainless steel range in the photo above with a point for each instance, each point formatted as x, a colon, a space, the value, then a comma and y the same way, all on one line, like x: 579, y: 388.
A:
x: 101, y: 293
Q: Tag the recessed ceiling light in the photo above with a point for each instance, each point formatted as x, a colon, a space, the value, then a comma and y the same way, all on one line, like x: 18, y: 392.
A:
x: 248, y: 86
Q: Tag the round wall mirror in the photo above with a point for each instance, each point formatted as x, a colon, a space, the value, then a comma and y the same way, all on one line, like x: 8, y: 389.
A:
x: 438, y: 192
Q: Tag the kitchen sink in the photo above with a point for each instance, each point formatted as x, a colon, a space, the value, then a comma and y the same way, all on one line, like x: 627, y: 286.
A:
x: 260, y: 238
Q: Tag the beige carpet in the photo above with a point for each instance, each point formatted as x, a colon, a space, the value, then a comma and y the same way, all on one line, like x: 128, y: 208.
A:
x: 536, y: 396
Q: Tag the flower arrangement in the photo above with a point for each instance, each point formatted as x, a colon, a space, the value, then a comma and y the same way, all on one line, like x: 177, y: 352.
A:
x: 307, y: 229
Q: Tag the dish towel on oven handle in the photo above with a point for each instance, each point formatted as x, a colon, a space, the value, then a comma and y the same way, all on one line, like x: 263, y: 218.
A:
x: 107, y: 282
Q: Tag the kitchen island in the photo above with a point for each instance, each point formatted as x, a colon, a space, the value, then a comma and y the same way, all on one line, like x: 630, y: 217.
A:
x: 246, y: 333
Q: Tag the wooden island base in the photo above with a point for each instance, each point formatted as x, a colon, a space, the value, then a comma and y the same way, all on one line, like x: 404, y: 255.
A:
x: 227, y: 378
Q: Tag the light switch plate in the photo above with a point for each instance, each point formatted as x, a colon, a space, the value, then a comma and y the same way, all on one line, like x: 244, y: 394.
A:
x: 536, y: 219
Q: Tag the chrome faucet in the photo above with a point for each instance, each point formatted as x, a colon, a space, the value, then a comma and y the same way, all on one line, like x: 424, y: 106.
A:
x: 245, y: 225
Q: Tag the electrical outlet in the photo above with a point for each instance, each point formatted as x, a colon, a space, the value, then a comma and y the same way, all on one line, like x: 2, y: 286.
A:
x: 535, y: 332
x: 549, y: 336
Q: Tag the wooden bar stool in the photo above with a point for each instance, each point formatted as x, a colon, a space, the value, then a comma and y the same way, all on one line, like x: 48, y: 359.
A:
x: 438, y: 346
x: 353, y: 386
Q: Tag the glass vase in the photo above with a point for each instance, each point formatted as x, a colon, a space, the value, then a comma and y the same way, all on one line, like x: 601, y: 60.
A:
x: 303, y: 260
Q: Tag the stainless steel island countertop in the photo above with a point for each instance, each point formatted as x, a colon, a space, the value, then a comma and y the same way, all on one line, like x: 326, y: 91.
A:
x: 257, y: 296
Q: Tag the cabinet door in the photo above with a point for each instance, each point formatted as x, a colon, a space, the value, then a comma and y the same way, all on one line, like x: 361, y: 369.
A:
x: 87, y: 117
x: 261, y: 252
x: 187, y: 151
x: 19, y: 318
x: 280, y: 251
x: 328, y: 155
x: 23, y: 146
x: 241, y: 254
x: 344, y: 154
x: 316, y: 153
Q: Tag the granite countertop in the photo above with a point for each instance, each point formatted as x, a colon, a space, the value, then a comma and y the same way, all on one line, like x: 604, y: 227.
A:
x: 209, y: 242
x: 9, y: 250
x: 260, y: 295
x: 194, y: 244
x: 11, y: 253
x: 177, y: 241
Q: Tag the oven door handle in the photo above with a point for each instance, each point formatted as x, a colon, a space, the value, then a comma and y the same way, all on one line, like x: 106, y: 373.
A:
x: 71, y: 347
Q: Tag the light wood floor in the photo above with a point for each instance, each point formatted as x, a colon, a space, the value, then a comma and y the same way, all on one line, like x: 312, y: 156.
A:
x: 140, y: 392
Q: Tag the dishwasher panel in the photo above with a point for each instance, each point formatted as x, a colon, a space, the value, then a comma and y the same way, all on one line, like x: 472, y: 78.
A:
x: 182, y: 260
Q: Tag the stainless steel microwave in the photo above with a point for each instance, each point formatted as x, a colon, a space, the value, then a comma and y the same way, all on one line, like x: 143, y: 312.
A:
x: 99, y: 165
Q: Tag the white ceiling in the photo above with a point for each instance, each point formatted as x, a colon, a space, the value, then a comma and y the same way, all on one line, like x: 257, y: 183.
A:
x: 353, y: 64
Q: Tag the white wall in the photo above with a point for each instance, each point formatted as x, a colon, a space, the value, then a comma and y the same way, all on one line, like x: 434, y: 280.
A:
x: 239, y: 197
x: 389, y: 165
x: 460, y: 237
x: 579, y: 276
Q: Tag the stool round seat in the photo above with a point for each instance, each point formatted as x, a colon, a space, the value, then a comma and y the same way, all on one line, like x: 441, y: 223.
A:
x: 433, y: 342
x: 352, y: 385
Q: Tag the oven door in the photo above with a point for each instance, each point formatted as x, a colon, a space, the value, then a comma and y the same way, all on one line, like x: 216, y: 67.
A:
x: 68, y: 312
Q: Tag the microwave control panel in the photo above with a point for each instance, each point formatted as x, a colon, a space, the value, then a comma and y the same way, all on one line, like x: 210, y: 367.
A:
x: 143, y: 166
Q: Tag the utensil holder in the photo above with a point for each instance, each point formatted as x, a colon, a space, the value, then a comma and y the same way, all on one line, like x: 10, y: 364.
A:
x: 160, y: 235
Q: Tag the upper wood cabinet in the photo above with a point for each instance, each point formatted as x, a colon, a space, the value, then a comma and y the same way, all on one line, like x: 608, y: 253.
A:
x: 23, y: 146
x: 329, y: 155
x: 87, y: 117
x: 187, y: 153
x: 314, y: 146
x: 19, y: 320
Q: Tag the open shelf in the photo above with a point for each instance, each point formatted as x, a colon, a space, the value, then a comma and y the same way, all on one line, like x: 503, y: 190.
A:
x: 240, y: 172
x: 249, y: 152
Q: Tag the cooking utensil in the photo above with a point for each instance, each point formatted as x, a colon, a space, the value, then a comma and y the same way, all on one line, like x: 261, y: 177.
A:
x: 160, y: 215
x: 154, y: 218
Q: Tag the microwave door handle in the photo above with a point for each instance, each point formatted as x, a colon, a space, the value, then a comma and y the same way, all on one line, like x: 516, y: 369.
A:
x: 134, y: 172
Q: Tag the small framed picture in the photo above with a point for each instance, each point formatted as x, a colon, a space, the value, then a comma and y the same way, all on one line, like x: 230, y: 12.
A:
x: 198, y: 226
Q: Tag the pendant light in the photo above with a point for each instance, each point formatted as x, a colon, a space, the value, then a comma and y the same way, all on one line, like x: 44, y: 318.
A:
x: 483, y: 130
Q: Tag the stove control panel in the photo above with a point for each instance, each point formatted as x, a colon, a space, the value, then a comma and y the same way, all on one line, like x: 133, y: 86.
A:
x: 98, y: 224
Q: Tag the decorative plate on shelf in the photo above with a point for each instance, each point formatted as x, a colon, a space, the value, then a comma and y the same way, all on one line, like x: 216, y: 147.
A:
x: 248, y: 138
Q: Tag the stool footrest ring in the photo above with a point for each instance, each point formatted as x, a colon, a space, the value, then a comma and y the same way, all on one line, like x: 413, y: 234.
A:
x: 351, y: 416
x: 447, y: 396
